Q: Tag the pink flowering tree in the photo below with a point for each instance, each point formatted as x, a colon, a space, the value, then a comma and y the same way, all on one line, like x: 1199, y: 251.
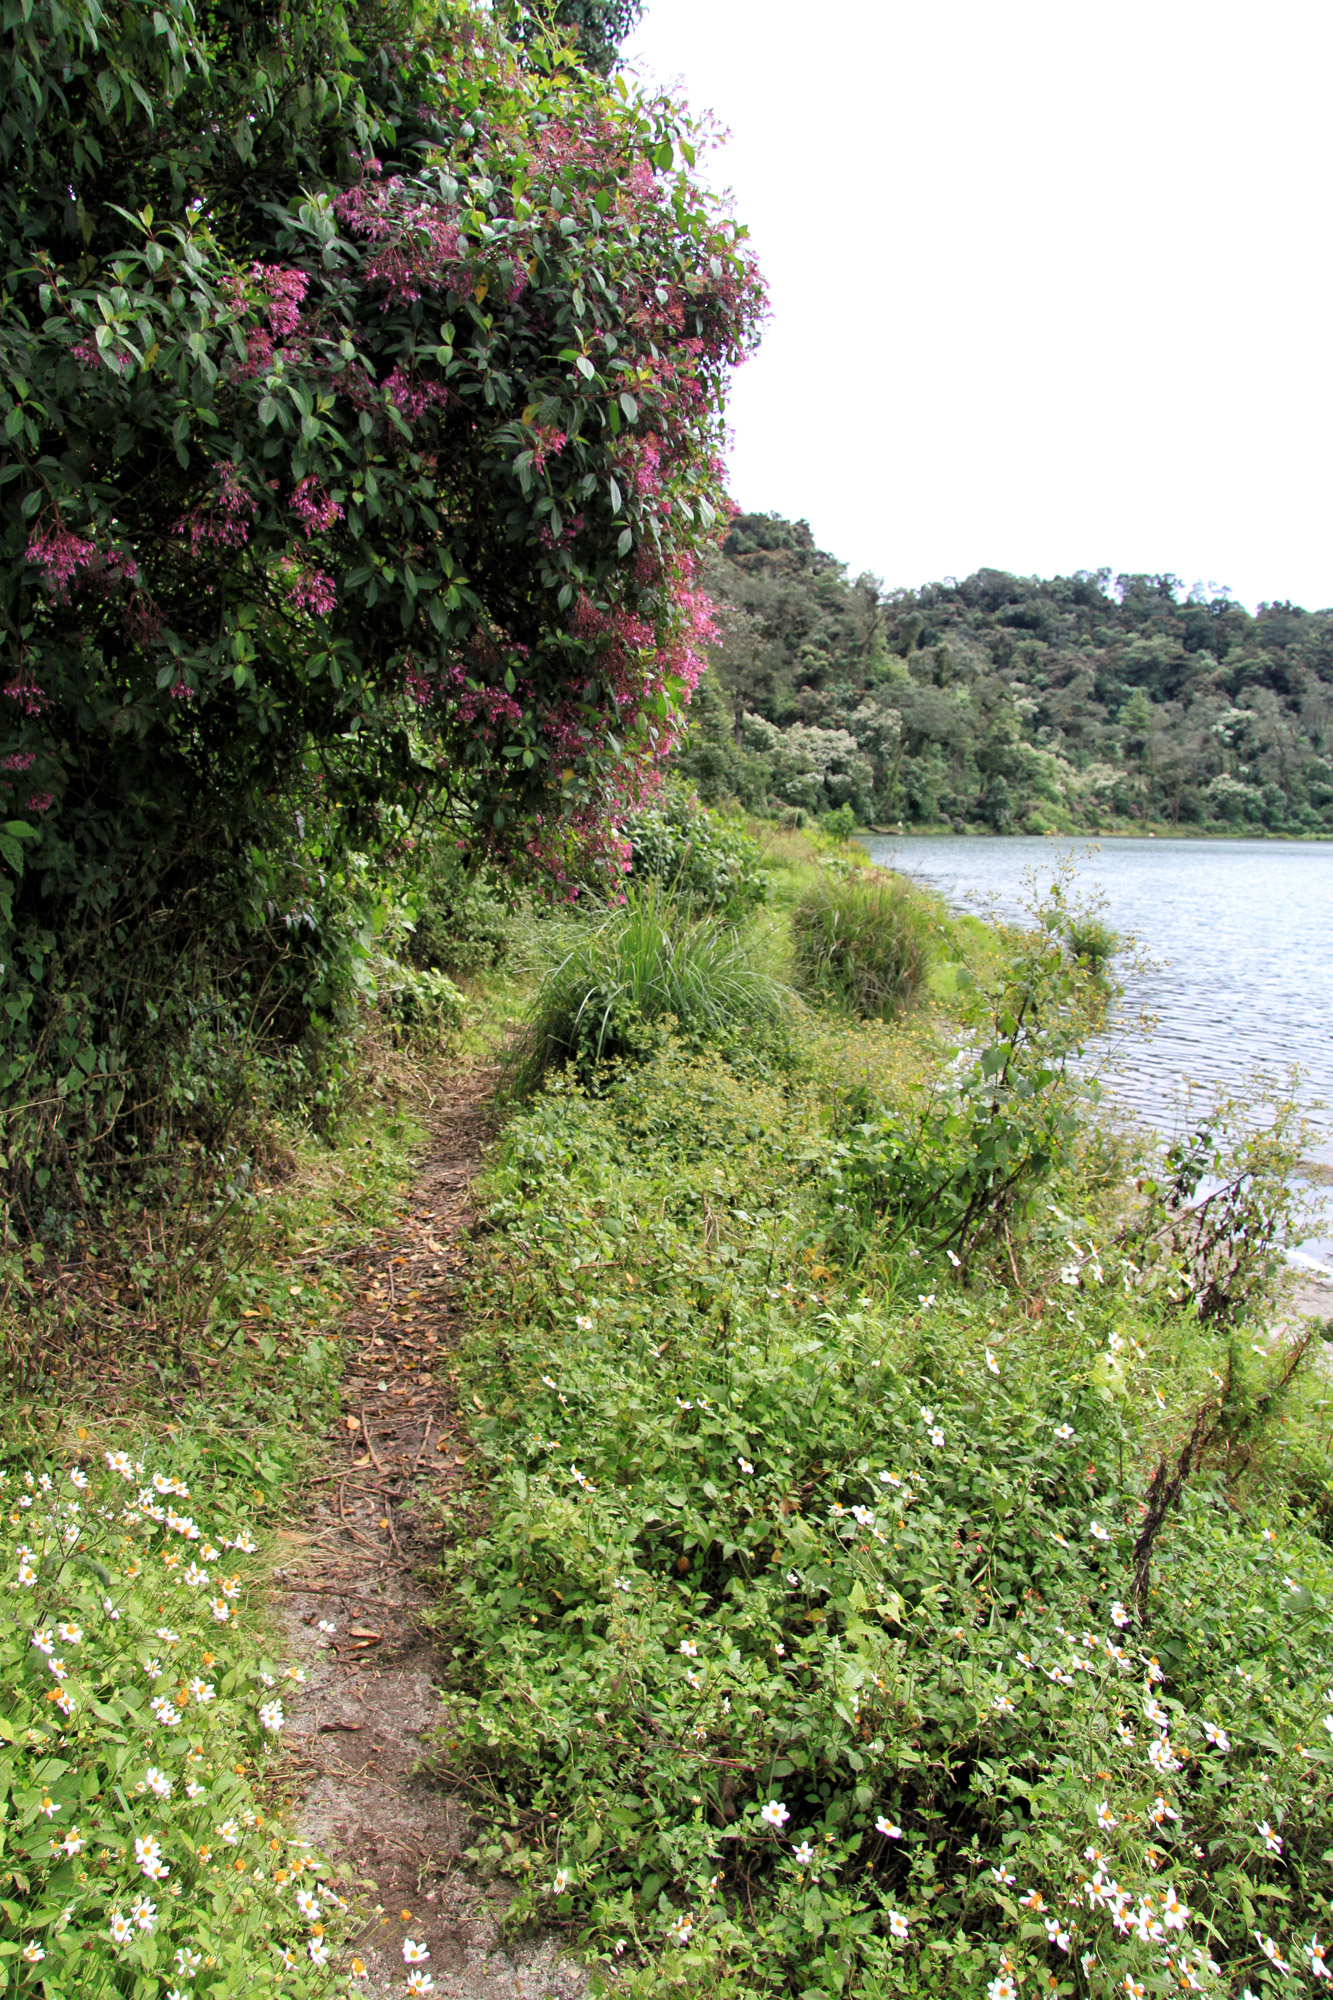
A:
x: 362, y: 411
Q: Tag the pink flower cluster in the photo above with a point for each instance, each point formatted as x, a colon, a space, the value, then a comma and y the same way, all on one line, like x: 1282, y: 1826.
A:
x: 313, y: 507
x: 224, y: 519
x: 24, y: 690
x: 408, y: 393
x: 18, y: 760
x: 284, y: 288
x: 313, y: 591
x: 548, y: 443
x: 418, y: 241
x: 60, y: 556
x: 417, y: 685
x: 89, y: 355
x: 478, y: 698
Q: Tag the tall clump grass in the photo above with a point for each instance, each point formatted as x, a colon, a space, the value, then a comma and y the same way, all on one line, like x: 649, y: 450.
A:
x: 863, y: 941
x: 633, y: 975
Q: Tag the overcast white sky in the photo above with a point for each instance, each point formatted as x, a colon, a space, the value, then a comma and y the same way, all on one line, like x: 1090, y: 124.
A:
x: 1050, y: 280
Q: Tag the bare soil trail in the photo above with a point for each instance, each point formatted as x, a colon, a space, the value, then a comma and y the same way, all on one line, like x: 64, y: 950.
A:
x: 359, y: 1726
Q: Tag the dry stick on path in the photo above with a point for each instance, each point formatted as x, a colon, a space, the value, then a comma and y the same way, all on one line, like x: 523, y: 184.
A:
x: 424, y: 1442
x: 370, y: 1447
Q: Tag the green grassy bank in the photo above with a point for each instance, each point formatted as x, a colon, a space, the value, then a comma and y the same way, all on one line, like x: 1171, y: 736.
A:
x: 901, y: 1558
x: 884, y: 1581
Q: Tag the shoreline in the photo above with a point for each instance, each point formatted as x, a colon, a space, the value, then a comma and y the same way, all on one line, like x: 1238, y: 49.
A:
x: 1261, y: 834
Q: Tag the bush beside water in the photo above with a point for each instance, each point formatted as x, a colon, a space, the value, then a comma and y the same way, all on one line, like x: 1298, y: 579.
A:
x: 863, y: 940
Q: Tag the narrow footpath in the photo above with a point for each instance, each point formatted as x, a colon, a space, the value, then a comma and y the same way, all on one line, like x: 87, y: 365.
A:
x: 359, y: 1729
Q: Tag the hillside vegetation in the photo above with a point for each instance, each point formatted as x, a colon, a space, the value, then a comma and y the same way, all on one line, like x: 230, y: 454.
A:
x: 1009, y: 703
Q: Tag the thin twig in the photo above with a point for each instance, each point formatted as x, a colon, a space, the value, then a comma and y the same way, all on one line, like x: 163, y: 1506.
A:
x: 424, y: 1442
x: 328, y: 1590
x: 365, y: 1432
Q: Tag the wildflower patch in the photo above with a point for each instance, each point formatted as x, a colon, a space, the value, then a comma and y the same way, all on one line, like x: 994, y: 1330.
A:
x: 801, y: 1633
x: 137, y: 1719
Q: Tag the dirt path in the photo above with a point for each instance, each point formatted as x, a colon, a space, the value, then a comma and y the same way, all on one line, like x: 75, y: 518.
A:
x: 358, y: 1724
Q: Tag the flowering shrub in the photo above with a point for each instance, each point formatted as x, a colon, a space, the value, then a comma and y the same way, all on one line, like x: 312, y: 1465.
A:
x: 799, y: 1636
x: 393, y: 485
x: 137, y: 1717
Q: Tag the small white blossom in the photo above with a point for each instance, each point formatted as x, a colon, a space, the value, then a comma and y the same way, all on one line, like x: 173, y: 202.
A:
x: 148, y: 1856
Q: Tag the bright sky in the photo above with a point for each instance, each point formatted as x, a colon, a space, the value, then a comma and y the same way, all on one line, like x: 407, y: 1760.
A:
x: 1050, y: 281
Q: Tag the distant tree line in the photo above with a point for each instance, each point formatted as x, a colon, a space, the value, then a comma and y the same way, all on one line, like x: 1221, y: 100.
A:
x: 1009, y: 703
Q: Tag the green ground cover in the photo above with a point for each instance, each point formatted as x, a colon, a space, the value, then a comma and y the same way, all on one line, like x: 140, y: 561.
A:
x: 145, y: 1838
x: 882, y: 1580
x: 819, y: 1626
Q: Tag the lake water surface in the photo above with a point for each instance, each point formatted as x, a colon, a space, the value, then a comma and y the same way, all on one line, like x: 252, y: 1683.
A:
x: 1241, y: 938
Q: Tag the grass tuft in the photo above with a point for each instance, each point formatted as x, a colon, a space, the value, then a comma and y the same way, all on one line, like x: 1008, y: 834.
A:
x: 864, y: 942
x: 630, y: 975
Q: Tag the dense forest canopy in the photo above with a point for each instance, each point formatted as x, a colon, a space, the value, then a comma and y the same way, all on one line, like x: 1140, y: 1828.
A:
x: 1006, y: 702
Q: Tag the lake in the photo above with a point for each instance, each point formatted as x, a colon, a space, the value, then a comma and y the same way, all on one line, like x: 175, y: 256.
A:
x: 1241, y: 938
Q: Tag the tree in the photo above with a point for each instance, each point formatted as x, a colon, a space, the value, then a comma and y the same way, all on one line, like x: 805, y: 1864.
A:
x: 598, y: 26
x: 1087, y: 702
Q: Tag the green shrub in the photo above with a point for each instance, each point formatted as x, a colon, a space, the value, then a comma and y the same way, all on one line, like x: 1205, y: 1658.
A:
x: 461, y: 924
x: 840, y: 823
x: 137, y: 1716
x: 965, y: 1161
x: 156, y: 1026
x: 423, y: 1005
x: 863, y: 940
x: 796, y: 1650
x: 696, y: 853
x: 631, y: 976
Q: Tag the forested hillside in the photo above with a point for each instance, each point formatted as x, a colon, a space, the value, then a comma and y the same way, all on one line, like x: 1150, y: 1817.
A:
x: 1013, y: 703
